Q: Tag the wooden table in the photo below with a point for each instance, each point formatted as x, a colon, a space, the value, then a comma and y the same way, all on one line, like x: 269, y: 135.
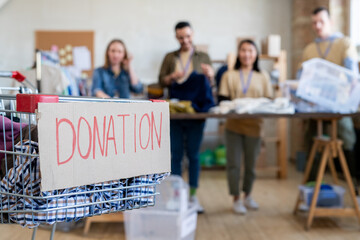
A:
x: 281, y: 131
x: 330, y: 147
x: 188, y: 116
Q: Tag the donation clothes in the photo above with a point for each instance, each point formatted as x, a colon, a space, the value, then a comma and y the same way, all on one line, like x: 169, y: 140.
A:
x: 53, y: 80
x: 255, y: 106
x: 232, y: 87
x: 28, y: 132
x: 63, y: 205
x: 195, y: 89
x: 181, y: 107
x: 9, y: 130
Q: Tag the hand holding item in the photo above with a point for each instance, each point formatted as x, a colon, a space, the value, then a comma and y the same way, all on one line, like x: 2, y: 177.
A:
x: 207, y: 70
x: 127, y: 61
x: 177, y: 75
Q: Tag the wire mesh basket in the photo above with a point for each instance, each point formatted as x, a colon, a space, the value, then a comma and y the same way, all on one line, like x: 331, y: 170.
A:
x: 21, y: 199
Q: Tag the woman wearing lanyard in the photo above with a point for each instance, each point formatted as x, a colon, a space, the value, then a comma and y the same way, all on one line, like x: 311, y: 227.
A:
x: 243, y: 135
x: 117, y: 77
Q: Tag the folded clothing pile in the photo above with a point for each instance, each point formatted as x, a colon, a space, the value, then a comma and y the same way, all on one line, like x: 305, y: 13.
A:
x: 255, y: 105
x: 177, y: 106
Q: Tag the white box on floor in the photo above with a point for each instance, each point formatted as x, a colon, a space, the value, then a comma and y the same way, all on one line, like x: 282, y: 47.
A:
x: 149, y: 224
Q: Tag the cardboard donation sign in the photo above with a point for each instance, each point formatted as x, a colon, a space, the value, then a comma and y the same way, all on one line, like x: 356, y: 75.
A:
x: 86, y: 143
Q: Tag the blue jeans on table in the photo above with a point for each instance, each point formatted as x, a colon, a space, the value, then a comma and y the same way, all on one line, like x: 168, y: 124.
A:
x: 186, y: 135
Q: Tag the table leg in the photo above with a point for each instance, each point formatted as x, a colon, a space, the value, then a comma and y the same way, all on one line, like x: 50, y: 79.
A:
x: 307, y: 171
x: 332, y: 169
x: 348, y: 179
x: 320, y: 175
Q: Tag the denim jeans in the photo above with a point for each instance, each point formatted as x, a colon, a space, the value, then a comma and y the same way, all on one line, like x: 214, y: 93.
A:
x: 186, y: 135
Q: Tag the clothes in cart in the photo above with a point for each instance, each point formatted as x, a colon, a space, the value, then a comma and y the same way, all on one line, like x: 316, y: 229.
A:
x: 67, y: 204
x: 9, y: 130
x: 27, y: 132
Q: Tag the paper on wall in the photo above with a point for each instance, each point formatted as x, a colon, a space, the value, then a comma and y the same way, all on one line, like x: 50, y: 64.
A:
x: 82, y: 58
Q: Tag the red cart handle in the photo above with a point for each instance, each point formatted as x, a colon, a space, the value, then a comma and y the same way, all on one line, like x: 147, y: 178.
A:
x: 29, y: 102
x: 15, y: 74
x: 18, y: 76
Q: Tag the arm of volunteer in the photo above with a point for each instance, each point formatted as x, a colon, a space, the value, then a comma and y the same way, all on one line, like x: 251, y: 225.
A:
x: 268, y: 93
x: 224, y: 91
x: 165, y: 75
x: 208, y: 69
x: 304, y: 58
x: 97, y: 89
x: 350, y: 56
x: 135, y: 85
x: 351, y: 64
x: 298, y: 73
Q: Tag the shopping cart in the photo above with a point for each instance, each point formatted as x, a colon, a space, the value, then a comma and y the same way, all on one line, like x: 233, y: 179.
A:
x: 27, y: 86
x: 21, y: 199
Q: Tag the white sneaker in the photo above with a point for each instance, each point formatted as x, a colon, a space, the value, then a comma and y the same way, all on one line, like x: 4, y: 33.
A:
x: 239, y: 207
x: 251, y: 204
x: 304, y: 207
x: 195, y: 202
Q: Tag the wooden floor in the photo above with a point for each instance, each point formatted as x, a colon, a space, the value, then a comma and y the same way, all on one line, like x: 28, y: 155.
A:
x: 273, y: 221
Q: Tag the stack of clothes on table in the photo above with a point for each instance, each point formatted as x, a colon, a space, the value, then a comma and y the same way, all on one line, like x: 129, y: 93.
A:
x: 255, y: 106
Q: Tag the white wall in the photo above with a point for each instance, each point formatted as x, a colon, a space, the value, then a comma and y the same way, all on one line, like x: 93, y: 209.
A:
x: 145, y: 25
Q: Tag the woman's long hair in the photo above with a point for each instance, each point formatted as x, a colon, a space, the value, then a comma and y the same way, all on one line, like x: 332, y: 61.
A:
x: 107, y: 60
x: 256, y: 63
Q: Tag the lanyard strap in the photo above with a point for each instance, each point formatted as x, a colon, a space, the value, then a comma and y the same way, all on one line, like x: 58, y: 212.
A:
x: 186, y: 68
x: 323, y: 56
x: 245, y: 86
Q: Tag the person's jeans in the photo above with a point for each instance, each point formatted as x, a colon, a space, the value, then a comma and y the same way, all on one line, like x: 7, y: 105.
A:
x: 186, y: 135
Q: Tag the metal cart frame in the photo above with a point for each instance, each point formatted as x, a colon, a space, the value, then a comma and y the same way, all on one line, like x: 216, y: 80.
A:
x: 128, y: 194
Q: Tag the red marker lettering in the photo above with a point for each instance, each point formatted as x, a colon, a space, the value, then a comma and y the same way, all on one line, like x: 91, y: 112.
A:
x: 57, y: 140
x: 153, y: 128
x: 111, y: 124
x: 140, y: 130
x: 90, y: 138
x: 96, y: 131
x: 123, y: 117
